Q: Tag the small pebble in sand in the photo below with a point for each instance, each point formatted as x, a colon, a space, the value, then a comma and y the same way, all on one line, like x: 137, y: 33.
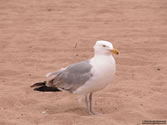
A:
x: 43, y: 112
x: 49, y: 9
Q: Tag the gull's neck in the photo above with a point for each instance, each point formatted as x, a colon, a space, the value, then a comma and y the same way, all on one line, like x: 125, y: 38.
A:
x: 106, y: 62
x: 103, y: 56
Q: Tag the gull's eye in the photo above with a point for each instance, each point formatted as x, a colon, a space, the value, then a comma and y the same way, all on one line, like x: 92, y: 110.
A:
x: 104, y: 45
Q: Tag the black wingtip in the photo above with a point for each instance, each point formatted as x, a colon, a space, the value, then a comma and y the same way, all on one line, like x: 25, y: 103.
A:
x: 41, y: 86
x: 46, y: 89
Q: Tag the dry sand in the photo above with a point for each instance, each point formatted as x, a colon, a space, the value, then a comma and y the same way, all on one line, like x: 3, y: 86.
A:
x: 39, y: 36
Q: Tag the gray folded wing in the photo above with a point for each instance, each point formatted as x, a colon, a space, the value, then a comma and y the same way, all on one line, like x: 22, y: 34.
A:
x: 72, y: 77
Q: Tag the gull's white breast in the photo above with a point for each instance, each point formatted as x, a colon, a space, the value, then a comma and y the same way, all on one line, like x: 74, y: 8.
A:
x: 103, y: 71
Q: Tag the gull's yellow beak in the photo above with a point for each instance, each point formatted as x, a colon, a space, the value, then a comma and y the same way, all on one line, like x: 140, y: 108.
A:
x: 115, y: 51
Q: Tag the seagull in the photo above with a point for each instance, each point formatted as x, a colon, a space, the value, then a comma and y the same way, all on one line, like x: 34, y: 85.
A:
x: 86, y: 77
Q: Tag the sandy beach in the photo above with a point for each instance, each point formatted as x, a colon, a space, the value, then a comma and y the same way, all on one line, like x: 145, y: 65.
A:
x: 41, y: 36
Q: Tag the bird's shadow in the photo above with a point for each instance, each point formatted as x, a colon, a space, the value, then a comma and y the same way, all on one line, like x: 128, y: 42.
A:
x: 74, y: 108
x: 82, y: 111
x: 78, y: 110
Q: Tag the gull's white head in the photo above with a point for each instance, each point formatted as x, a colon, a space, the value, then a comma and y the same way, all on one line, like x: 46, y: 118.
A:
x: 104, y: 48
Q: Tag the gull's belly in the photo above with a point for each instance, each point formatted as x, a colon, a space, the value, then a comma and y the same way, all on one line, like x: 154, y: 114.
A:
x: 102, y: 77
x: 103, y: 74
